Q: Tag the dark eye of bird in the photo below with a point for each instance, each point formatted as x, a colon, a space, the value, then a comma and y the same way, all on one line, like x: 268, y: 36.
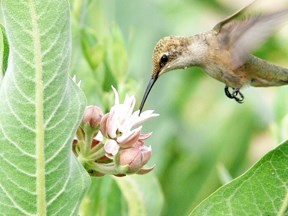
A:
x: 164, y: 60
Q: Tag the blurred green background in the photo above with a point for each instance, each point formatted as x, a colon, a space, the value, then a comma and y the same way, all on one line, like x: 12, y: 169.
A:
x: 202, y: 139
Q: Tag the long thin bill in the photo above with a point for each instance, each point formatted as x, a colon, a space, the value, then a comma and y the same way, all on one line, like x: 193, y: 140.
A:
x: 148, y: 89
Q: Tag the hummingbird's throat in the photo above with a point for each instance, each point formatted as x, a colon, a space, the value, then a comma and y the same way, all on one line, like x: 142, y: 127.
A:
x: 148, y: 89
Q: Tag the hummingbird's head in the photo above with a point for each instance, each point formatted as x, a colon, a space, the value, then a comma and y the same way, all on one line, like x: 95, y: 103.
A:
x: 169, y: 54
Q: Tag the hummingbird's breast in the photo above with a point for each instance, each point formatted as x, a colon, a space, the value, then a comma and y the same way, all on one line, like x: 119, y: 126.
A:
x: 225, y: 75
x: 220, y: 67
x: 218, y: 63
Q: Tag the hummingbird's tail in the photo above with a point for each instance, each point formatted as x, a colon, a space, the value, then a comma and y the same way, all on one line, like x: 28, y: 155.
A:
x: 265, y: 74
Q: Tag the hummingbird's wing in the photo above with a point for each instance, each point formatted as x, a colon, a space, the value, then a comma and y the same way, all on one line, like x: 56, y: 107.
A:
x: 241, y: 33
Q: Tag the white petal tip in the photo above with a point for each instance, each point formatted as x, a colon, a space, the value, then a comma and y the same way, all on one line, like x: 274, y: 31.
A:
x: 74, y: 78
x: 117, y: 100
x: 75, y: 81
x: 79, y: 83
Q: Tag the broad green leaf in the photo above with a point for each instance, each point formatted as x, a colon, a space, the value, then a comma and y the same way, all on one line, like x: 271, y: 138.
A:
x: 103, y: 198
x: 149, y: 189
x: 130, y: 195
x: 4, y: 52
x: 262, y: 190
x: 40, y: 109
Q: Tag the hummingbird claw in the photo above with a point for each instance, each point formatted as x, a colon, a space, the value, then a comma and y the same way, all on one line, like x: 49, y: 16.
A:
x: 227, y: 92
x: 236, y: 94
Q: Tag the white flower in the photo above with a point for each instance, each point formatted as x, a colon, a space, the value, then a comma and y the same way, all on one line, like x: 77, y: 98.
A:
x: 123, y: 125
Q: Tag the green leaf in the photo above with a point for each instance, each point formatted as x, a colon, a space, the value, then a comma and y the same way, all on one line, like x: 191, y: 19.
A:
x: 109, y: 79
x: 150, y: 190
x: 262, y: 190
x: 103, y: 198
x: 92, y: 49
x: 116, y: 54
x: 129, y: 195
x: 40, y: 109
x: 4, y: 52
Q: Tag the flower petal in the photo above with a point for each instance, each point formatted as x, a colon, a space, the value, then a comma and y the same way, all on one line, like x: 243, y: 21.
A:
x: 99, y: 136
x: 144, y: 171
x: 144, y: 116
x: 130, y: 103
x: 146, y: 154
x: 116, y: 95
x: 138, y: 144
x: 145, y: 136
x: 111, y: 148
x: 103, y: 124
x: 128, y: 138
x: 112, y: 124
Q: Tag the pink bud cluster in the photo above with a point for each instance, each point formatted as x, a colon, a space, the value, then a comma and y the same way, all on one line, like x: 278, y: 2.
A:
x: 117, y: 145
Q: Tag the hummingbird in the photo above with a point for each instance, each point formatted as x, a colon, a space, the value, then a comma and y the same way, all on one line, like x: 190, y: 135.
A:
x: 224, y: 53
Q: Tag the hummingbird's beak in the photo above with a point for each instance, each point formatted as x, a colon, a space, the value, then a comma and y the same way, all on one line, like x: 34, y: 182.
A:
x: 148, y: 89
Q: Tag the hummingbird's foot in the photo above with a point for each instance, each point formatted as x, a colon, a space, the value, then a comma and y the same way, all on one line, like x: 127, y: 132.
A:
x: 227, y: 92
x: 236, y: 94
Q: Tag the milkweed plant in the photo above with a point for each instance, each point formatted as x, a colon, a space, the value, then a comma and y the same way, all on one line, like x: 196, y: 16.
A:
x: 113, y: 143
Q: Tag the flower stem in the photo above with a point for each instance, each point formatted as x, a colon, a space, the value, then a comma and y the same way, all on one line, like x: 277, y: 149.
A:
x: 109, y: 168
x: 97, y: 154
x: 96, y: 148
x: 89, y: 135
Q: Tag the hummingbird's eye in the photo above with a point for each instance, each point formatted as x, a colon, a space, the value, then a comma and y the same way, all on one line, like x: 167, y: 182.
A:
x: 164, y: 60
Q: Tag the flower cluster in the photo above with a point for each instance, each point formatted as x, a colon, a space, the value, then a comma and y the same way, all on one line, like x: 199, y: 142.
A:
x: 113, y: 143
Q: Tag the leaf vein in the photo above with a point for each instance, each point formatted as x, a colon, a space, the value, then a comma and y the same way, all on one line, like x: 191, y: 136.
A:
x: 15, y: 115
x: 15, y: 144
x: 16, y: 168
x: 62, y: 190
x: 18, y: 186
x: 14, y: 203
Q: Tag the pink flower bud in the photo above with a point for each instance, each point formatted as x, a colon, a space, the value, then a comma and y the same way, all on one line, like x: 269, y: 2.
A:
x: 146, y: 154
x: 92, y: 116
x: 103, y: 125
x: 135, y: 158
